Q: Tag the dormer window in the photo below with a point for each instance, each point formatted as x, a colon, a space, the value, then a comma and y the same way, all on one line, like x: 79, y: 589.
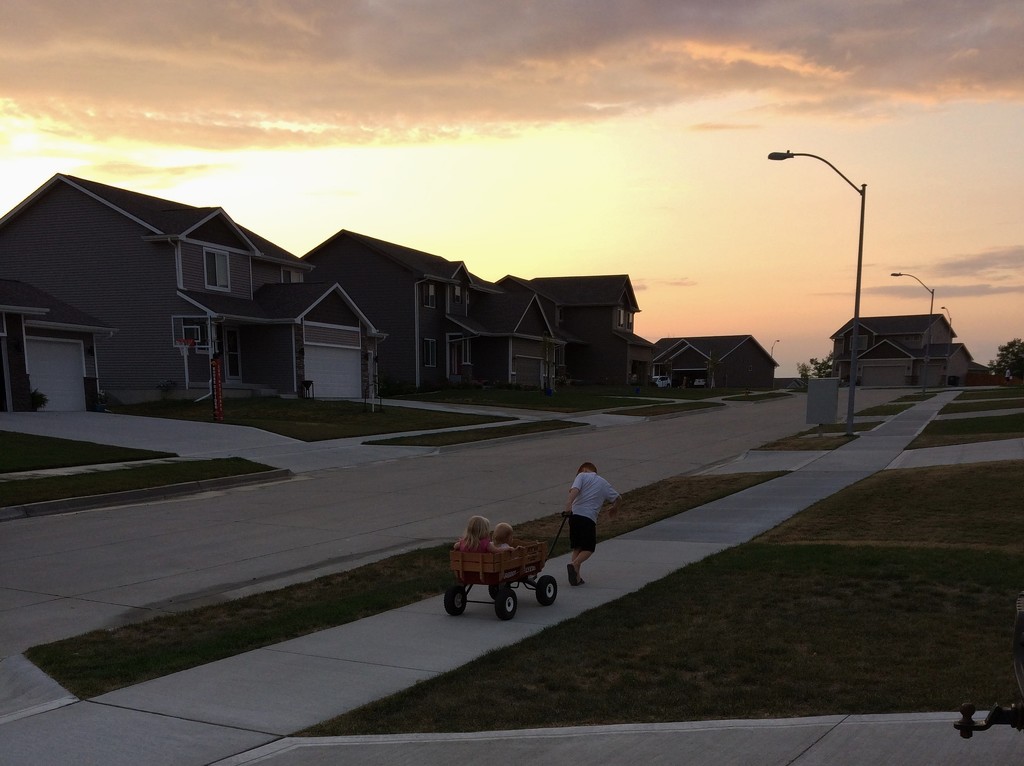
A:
x: 457, y: 294
x: 625, y: 319
x: 289, y: 276
x: 217, y: 274
x: 429, y: 295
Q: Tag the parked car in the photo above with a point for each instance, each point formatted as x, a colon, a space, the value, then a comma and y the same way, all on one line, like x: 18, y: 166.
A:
x: 699, y: 383
x: 662, y: 381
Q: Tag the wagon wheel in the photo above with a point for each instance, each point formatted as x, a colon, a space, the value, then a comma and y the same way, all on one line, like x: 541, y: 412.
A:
x: 455, y: 600
x: 505, y: 604
x: 547, y: 590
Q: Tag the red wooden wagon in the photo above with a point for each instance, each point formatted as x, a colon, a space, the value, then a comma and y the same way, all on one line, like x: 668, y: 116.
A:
x: 501, y: 572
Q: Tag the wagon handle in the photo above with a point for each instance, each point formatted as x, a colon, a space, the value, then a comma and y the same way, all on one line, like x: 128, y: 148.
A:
x: 559, y: 534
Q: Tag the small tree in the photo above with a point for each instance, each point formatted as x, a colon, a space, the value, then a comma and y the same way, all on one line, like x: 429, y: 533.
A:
x: 1010, y: 357
x: 819, y: 368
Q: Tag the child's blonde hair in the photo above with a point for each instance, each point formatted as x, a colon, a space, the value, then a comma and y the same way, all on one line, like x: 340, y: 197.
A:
x: 477, y: 528
x: 502, y: 534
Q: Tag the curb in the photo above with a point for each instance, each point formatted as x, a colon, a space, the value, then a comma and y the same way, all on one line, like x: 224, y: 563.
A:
x: 71, y: 504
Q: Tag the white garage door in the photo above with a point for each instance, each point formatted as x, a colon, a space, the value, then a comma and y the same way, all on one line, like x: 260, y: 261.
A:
x: 56, y: 368
x: 335, y: 372
x: 527, y: 370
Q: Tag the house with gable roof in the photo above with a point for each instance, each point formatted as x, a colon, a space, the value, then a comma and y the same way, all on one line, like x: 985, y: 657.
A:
x: 716, y: 361
x: 445, y: 324
x: 592, y: 317
x: 49, y: 347
x: 898, y: 350
x: 184, y: 285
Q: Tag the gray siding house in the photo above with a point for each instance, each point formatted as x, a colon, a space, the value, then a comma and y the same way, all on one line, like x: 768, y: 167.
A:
x: 728, y: 361
x: 592, y: 317
x: 898, y: 350
x: 445, y: 325
x: 182, y: 285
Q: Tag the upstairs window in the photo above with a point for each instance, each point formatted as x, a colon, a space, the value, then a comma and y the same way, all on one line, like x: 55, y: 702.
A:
x: 457, y: 294
x: 625, y: 319
x: 217, y: 274
x: 290, y: 275
x: 429, y: 295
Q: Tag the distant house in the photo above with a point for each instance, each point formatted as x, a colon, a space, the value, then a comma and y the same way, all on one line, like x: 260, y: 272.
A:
x: 46, y: 346
x: 183, y: 285
x: 592, y: 317
x: 445, y: 324
x: 898, y: 350
x: 716, y: 361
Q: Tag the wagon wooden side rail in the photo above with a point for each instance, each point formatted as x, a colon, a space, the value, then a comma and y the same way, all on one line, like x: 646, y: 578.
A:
x: 500, y: 572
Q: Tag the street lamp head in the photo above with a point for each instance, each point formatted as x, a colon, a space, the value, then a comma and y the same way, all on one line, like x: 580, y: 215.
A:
x: 781, y: 155
x: 896, y: 274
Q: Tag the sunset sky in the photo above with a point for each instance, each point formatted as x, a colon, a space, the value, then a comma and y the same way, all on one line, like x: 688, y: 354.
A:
x: 569, y: 138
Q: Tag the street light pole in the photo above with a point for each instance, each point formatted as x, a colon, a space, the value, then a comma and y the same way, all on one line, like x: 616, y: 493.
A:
x: 862, y: 190
x: 928, y: 340
x: 772, y: 352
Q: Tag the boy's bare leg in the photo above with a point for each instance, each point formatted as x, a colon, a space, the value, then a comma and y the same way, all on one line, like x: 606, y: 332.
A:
x: 578, y: 557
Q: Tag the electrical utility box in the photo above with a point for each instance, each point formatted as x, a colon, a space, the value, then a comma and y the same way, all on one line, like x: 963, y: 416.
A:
x: 822, y: 401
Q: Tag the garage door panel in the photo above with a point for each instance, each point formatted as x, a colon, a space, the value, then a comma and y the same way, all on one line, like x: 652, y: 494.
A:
x: 57, y: 369
x: 335, y: 372
x: 528, y: 371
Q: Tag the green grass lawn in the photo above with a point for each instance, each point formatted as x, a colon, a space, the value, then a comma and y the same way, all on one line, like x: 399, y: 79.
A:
x: 26, y: 491
x: 569, y: 398
x: 26, y: 452
x: 309, y: 419
x: 465, y: 436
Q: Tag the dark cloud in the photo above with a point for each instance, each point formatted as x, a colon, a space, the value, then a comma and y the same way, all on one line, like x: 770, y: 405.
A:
x: 320, y: 72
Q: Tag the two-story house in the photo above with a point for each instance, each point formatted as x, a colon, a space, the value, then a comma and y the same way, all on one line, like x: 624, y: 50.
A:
x: 184, y: 285
x: 593, y: 317
x: 729, y: 361
x: 445, y: 324
x: 898, y: 350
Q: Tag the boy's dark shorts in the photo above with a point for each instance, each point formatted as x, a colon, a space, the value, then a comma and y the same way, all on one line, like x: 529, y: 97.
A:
x: 582, y: 533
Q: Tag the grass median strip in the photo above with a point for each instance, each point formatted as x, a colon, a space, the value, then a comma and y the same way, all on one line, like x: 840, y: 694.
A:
x: 310, y: 419
x: 940, y: 433
x: 28, y: 452
x: 895, y: 595
x: 104, y: 660
x: 26, y: 491
x: 464, y: 436
x: 664, y: 409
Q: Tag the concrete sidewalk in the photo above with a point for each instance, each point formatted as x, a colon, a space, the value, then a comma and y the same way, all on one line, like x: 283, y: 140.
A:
x: 240, y: 710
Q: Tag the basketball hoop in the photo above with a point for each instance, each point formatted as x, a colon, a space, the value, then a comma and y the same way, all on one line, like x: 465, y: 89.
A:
x: 184, y: 344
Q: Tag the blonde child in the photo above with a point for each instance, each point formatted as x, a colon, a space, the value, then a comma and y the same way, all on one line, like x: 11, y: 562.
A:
x: 477, y: 537
x: 503, y: 536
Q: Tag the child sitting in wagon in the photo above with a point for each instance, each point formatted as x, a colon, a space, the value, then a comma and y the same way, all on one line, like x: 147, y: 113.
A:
x: 477, y: 537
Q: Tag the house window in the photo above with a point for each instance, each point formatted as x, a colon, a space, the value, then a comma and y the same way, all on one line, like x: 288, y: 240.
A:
x: 457, y: 293
x: 289, y: 276
x: 429, y: 352
x: 429, y: 297
x: 217, y: 270
x: 625, y: 319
